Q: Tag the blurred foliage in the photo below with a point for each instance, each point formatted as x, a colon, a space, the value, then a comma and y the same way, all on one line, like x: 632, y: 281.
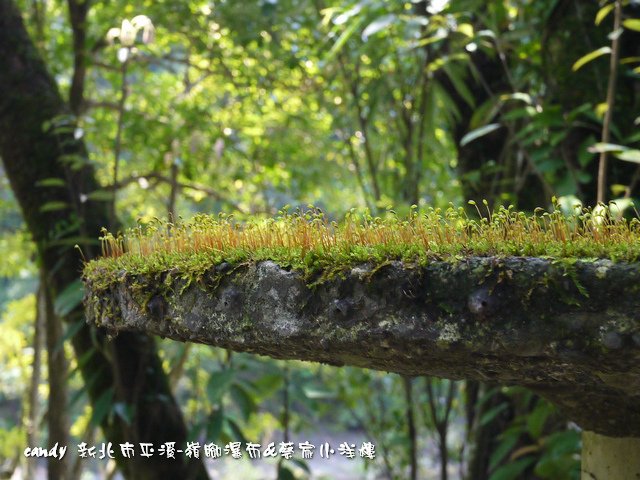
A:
x: 245, y: 107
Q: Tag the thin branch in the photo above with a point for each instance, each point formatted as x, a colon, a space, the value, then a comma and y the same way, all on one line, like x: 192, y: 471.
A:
x: 105, y: 66
x: 173, y: 193
x: 117, y: 149
x: 178, y: 368
x: 411, y: 425
x: 57, y: 416
x: 632, y: 184
x: 182, y: 185
x: 354, y: 85
x: 89, y: 104
x: 78, y: 18
x: 611, y: 93
x: 36, y: 375
x: 422, y: 110
x: 358, y: 168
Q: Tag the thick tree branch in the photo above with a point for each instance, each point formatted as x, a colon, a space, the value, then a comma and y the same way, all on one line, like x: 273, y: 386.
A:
x: 78, y: 18
x: 549, y: 326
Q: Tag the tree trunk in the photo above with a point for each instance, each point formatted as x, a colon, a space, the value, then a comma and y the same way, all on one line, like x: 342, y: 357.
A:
x: 57, y: 416
x: 34, y: 407
x: 36, y: 144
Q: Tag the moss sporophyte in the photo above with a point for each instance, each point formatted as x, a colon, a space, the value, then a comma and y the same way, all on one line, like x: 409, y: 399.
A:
x: 309, y: 242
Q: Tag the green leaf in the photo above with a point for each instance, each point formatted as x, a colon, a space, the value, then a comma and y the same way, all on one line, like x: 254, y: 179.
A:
x: 502, y: 450
x: 218, y: 384
x: 485, y: 112
x: 344, y: 17
x: 618, y: 206
x: 284, y: 473
x: 235, y: 430
x: 582, y: 61
x: 84, y: 358
x: 101, y: 407
x: 124, y: 411
x: 557, y: 466
x: 378, y: 25
x: 583, y: 176
x: 520, y: 96
x: 479, y: 132
x: 268, y: 384
x: 466, y: 29
x: 632, y: 24
x: 603, y: 12
x: 243, y: 400
x: 536, y: 420
x: 564, y: 442
x: 54, y: 206
x: 459, y: 83
x: 518, y: 113
x: 75, y: 161
x: 512, y: 470
x: 301, y: 463
x: 606, y: 147
x: 346, y: 35
x: 101, y: 195
x: 492, y: 391
x: 69, y: 298
x: 70, y: 333
x: 627, y: 60
x: 51, y: 182
x: 314, y: 393
x: 629, y: 156
x: 492, y: 413
x: 214, y: 425
x: 87, y: 385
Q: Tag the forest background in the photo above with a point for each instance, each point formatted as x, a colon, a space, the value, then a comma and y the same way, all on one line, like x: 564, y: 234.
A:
x: 116, y: 113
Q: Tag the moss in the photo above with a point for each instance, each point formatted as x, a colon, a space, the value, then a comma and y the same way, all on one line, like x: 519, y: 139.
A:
x: 197, y: 250
x: 448, y: 334
x: 247, y: 324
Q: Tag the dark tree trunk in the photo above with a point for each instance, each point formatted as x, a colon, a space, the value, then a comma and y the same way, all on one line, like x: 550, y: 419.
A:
x: 485, y: 166
x: 57, y: 415
x: 486, y: 437
x: 37, y: 143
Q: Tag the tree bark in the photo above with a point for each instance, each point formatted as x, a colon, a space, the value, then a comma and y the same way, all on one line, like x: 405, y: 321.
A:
x: 57, y: 415
x: 36, y: 144
x: 36, y: 370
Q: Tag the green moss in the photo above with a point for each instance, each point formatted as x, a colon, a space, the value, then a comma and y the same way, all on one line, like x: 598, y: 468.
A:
x: 309, y: 243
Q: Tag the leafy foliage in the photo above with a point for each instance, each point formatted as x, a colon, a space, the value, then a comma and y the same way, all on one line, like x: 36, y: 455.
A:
x: 246, y: 107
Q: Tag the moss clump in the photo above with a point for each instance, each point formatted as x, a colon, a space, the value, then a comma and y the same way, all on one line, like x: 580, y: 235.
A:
x: 308, y: 242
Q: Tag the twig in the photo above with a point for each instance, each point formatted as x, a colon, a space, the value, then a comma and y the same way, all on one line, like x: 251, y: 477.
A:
x: 411, y: 425
x: 118, y: 140
x: 182, y: 185
x: 611, y: 92
x: 632, y: 184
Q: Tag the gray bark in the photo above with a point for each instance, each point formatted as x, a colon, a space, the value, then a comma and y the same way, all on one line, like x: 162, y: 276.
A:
x: 568, y: 330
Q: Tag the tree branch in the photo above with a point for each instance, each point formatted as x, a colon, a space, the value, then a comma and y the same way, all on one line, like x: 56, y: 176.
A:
x: 611, y: 94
